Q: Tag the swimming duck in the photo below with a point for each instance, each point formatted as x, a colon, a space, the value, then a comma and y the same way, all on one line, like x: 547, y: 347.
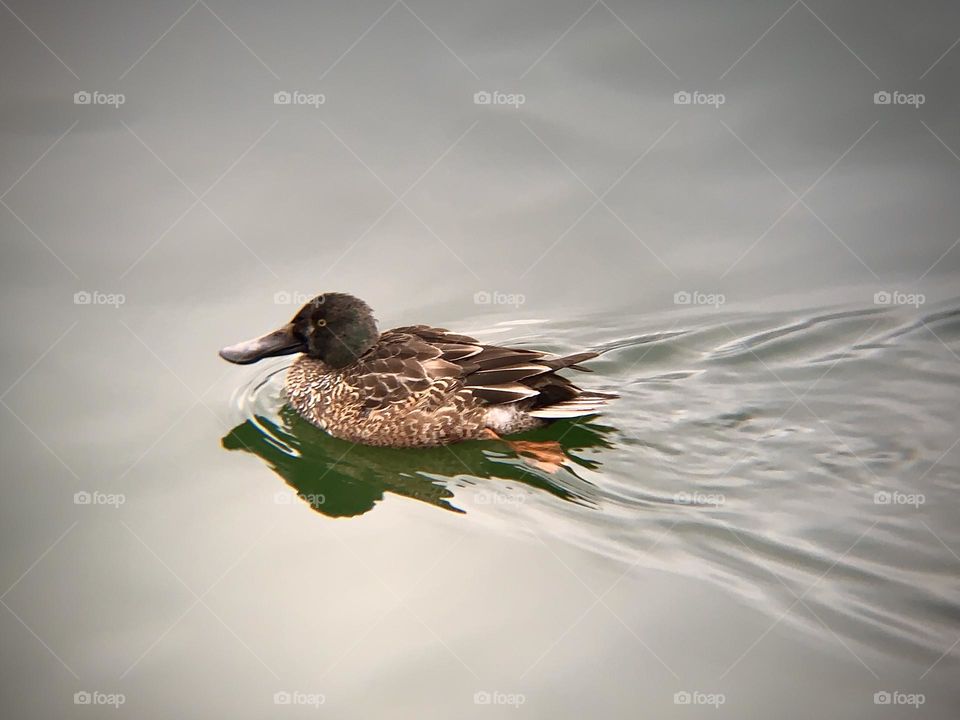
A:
x: 413, y: 386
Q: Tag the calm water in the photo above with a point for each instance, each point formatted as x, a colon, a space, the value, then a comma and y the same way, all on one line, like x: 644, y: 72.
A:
x: 764, y: 525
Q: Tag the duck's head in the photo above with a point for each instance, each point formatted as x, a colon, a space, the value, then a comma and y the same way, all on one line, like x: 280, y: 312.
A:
x: 334, y: 327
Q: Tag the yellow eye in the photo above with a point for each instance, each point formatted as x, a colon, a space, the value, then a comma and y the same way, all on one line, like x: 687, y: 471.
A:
x: 321, y: 323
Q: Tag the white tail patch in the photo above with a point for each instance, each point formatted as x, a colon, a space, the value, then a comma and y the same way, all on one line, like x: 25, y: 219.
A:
x: 505, y: 393
x: 578, y: 407
x: 519, y: 369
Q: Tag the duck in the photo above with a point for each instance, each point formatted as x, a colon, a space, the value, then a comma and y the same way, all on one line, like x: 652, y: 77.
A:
x: 414, y: 386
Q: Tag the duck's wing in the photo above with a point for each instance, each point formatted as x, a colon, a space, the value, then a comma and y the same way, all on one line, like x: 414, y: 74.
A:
x: 399, y: 366
x: 412, y: 359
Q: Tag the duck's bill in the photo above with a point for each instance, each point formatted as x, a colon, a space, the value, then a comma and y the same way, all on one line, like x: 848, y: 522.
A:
x: 279, y: 342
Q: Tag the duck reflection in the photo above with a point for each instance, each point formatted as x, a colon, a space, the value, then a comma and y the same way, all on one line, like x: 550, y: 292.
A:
x: 339, y: 479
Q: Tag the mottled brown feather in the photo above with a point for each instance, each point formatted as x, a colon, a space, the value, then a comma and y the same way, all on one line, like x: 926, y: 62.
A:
x: 421, y: 385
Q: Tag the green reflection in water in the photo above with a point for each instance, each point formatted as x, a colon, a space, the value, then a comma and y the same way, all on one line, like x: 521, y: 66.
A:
x: 339, y: 479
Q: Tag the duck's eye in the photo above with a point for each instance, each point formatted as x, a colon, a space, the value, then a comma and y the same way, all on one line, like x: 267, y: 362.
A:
x: 322, y: 322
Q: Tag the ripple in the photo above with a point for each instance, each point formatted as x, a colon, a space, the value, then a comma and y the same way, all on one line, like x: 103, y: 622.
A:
x: 712, y: 464
x: 787, y: 338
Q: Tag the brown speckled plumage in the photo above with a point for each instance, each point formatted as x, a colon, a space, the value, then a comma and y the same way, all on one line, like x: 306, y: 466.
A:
x: 421, y: 386
x: 413, y: 386
x: 439, y: 414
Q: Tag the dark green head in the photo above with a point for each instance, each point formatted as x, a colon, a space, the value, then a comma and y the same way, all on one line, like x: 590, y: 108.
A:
x: 334, y: 327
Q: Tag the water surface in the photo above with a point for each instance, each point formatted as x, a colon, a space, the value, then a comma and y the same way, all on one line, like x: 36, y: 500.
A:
x: 768, y: 515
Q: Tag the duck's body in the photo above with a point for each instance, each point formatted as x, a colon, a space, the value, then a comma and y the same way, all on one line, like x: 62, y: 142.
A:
x: 422, y: 386
x: 414, y: 386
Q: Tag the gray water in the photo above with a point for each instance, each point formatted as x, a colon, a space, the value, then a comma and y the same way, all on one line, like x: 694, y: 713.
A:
x: 764, y: 524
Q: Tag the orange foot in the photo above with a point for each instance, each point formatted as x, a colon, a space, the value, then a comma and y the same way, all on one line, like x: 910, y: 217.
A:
x: 546, y: 455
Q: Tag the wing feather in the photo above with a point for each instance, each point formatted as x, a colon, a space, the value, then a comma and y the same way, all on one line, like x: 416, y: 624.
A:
x: 410, y: 360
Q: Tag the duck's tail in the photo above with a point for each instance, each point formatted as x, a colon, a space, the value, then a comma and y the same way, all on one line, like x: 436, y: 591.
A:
x: 560, y: 398
x: 586, y: 403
